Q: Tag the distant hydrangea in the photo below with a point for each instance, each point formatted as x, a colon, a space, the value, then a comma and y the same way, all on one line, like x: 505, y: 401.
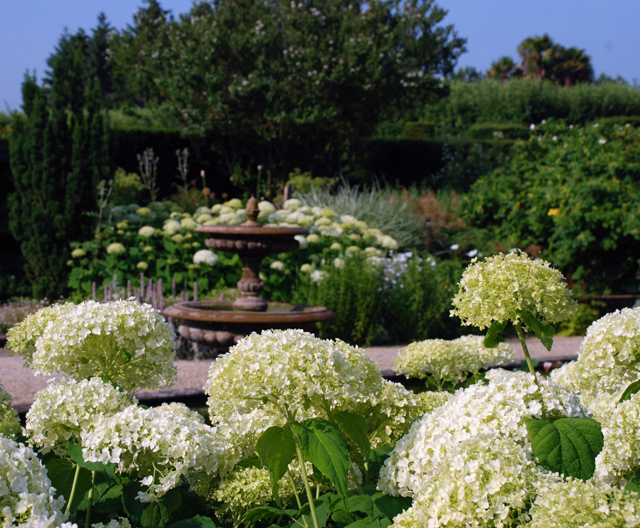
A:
x: 302, y: 241
x: 129, y: 344
x: 317, y: 276
x: 608, y: 360
x: 352, y: 250
x: 266, y: 207
x: 292, y: 204
x: 335, y: 247
x: 178, y: 238
x: 389, y: 243
x: 202, y: 218
x: 578, y: 504
x: 496, y: 288
x: 136, y: 438
x: 115, y: 248
x: 21, y: 338
x: 62, y: 410
x: 474, y: 452
x: 205, y: 256
x: 277, y: 265
x: 26, y: 495
x: 234, y: 203
x: 323, y: 221
x: 143, y: 266
x: 77, y: 253
x: 171, y: 227
x: 286, y: 369
x: 306, y: 268
x: 313, y: 238
x: 338, y: 263
x: 120, y: 522
x: 144, y: 211
x: 455, y: 359
x: 188, y: 223
x: 203, y: 209
x: 147, y: 231
x: 9, y: 421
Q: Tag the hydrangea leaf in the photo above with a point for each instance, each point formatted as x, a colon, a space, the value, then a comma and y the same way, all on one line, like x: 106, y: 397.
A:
x: 543, y: 331
x: 377, y: 458
x: 494, y: 334
x: 361, y: 503
x: 355, y: 427
x: 322, y: 445
x: 75, y: 452
x: 199, y: 521
x: 62, y: 473
x: 276, y: 448
x: 389, y: 506
x: 266, y: 512
x: 630, y: 391
x: 567, y: 446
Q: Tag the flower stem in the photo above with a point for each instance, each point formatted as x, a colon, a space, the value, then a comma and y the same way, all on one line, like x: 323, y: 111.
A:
x: 526, y: 351
x: 307, y: 487
x: 90, y: 499
x: 73, y: 489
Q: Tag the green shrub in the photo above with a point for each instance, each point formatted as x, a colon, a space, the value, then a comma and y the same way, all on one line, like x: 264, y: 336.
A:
x: 304, y: 182
x: 418, y: 130
x: 126, y: 187
x: 498, y: 131
x: 575, y: 193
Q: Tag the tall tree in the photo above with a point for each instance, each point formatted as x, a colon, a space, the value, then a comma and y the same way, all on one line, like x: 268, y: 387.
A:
x: 295, y: 84
x: 504, y: 68
x: 532, y: 51
x: 568, y: 66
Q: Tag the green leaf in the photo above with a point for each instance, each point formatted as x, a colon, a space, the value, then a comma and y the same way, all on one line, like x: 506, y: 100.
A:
x: 343, y: 518
x: 199, y: 521
x: 377, y: 458
x: 361, y: 503
x: 322, y: 445
x: 494, y: 334
x: 276, y: 448
x: 132, y: 506
x: 61, y: 473
x: 568, y: 446
x: 630, y: 391
x: 75, y: 452
x: 266, y: 512
x: 543, y: 332
x: 354, y: 427
x: 633, y: 483
x: 388, y: 506
x: 367, y: 522
x: 252, y: 461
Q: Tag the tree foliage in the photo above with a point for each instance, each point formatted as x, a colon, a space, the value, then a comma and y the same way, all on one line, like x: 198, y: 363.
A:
x: 288, y: 84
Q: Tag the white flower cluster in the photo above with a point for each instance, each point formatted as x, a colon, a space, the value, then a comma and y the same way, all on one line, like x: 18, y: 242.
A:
x: 455, y: 359
x: 63, y: 410
x: 497, y: 288
x: 120, y: 522
x: 469, y: 462
x: 579, y: 504
x: 129, y: 344
x: 26, y: 495
x: 608, y: 361
x: 21, y: 338
x: 161, y: 446
x: 9, y: 421
x: 205, y: 256
x: 269, y: 378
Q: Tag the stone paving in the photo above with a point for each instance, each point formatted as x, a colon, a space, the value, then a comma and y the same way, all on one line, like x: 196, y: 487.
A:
x: 22, y: 384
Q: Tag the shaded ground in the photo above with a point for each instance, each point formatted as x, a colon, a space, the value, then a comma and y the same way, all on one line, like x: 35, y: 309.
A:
x: 22, y: 384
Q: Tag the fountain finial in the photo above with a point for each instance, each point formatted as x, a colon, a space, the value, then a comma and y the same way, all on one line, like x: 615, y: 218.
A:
x: 252, y: 213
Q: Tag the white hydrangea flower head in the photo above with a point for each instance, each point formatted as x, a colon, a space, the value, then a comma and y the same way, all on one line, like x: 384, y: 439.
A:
x: 170, y: 437
x: 313, y: 238
x: 293, y: 204
x: 266, y: 207
x: 230, y: 218
x: 62, y: 410
x: 215, y: 209
x: 203, y: 209
x: 171, y: 227
x: 26, y: 495
x: 338, y: 263
x: 306, y: 268
x: 355, y: 237
x: 286, y: 369
x: 335, y: 247
x: 144, y: 211
x: 456, y: 359
x: 318, y: 276
x: 608, y: 360
x: 21, y: 338
x: 578, y: 504
x: 188, y: 224
x: 277, y: 265
x: 9, y: 421
x: 323, y: 221
x: 205, y: 256
x: 486, y: 482
x: 115, y: 248
x: 120, y: 522
x: 147, y: 231
x: 130, y: 344
x: 348, y: 219
x: 204, y: 217
x: 496, y: 288
x: 302, y: 241
x: 77, y: 253
x: 389, y: 242
x: 234, y: 204
x: 498, y: 408
x: 352, y: 250
x: 142, y: 265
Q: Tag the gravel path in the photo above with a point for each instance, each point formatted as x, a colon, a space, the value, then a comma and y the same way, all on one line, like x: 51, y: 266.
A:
x: 22, y: 384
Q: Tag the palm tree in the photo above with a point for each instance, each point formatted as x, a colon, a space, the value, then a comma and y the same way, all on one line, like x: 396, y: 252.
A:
x: 532, y: 51
x: 504, y: 68
x: 568, y: 65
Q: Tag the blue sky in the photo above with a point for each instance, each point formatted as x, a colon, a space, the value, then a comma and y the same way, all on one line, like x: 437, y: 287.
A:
x: 608, y: 30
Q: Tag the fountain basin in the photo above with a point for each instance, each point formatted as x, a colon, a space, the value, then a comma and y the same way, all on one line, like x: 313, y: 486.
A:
x: 220, y: 325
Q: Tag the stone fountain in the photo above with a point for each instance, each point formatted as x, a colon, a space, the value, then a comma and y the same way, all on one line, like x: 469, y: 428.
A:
x: 220, y: 324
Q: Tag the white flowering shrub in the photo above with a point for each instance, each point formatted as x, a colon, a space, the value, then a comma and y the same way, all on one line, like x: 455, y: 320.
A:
x: 9, y: 421
x: 63, y: 410
x: 499, y: 287
x: 127, y: 343
x: 286, y: 374
x: 26, y: 495
x: 159, y: 446
x: 454, y: 360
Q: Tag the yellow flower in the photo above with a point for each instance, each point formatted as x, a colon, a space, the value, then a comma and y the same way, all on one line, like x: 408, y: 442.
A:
x: 553, y: 211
